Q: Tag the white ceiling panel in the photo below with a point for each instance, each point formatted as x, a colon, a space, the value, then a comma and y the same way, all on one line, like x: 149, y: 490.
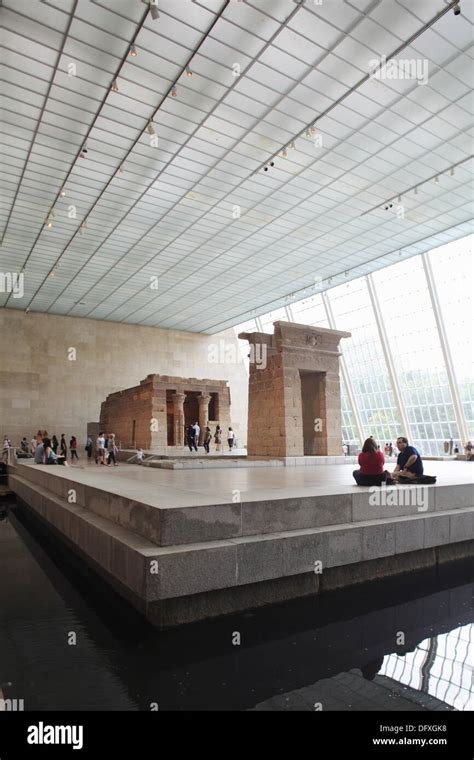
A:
x: 193, y: 204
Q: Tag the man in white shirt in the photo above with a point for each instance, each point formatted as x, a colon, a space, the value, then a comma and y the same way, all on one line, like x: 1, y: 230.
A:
x: 197, y: 432
x: 101, y: 447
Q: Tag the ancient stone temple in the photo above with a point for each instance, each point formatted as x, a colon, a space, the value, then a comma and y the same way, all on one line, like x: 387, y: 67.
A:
x: 155, y: 414
x: 294, y: 391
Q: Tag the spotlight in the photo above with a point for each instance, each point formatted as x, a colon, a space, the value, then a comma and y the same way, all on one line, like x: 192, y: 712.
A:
x: 114, y: 87
x: 189, y: 73
x: 272, y: 163
x: 416, y: 191
x: 121, y: 169
x: 456, y: 10
x: 436, y: 180
x: 292, y: 146
x: 399, y: 199
x: 83, y: 151
x: 133, y: 51
x: 174, y: 91
x: 284, y: 153
x: 49, y: 223
x: 451, y: 172
x: 150, y: 128
x: 312, y: 131
x: 62, y: 193
x: 307, y: 133
x: 154, y: 12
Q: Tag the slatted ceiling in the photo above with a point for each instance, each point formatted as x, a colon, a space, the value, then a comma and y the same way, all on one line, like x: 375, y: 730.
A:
x: 122, y: 288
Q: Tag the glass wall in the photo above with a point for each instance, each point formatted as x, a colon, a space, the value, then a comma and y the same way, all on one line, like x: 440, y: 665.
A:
x: 453, y: 270
x: 417, y: 354
x: 352, y: 310
x: 416, y: 386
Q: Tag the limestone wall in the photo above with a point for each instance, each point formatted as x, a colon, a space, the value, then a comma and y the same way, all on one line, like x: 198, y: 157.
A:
x: 41, y: 388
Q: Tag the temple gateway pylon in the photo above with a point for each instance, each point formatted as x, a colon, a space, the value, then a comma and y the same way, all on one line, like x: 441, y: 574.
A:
x: 294, y: 391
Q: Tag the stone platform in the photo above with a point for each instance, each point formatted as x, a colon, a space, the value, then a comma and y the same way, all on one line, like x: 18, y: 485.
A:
x: 190, y: 544
x: 195, y: 460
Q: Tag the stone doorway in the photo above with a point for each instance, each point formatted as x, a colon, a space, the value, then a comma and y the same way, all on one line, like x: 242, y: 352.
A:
x: 191, y: 408
x: 313, y: 408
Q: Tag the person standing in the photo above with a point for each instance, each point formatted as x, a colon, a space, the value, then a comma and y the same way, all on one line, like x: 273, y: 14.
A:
x: 73, y: 448
x: 218, y: 438
x: 54, y: 444
x: 33, y: 445
x: 197, y: 433
x: 101, y: 448
x: 230, y: 438
x: 207, y: 439
x: 88, y: 447
x: 6, y: 449
x: 191, y: 437
x: 112, y: 450
x: 63, y: 446
x: 451, y: 444
x: 39, y: 453
x: 390, y: 449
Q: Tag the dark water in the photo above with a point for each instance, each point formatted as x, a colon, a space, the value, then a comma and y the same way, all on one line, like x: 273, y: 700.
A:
x: 343, y: 651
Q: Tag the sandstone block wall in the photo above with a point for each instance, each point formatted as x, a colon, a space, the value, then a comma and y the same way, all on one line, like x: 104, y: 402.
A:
x: 41, y: 388
x: 147, y: 406
x: 294, y: 391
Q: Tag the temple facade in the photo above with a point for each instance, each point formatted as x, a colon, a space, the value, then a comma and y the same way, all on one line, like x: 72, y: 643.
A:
x: 155, y: 414
x: 294, y: 391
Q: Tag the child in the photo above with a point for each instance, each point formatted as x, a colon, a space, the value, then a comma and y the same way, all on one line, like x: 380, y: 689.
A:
x: 140, y: 456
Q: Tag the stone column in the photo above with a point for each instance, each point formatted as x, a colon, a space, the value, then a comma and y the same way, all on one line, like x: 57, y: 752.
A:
x: 178, y: 418
x: 203, y: 400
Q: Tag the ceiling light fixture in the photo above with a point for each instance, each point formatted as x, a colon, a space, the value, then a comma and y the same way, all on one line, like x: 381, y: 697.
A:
x: 456, y: 9
x: 436, y: 180
x: 62, y: 192
x: 174, y: 91
x: 114, y: 87
x: 284, y: 153
x: 189, y: 73
x: 292, y: 146
x: 150, y: 128
x: 154, y: 12
x: 416, y: 191
x: 451, y: 172
x: 133, y: 51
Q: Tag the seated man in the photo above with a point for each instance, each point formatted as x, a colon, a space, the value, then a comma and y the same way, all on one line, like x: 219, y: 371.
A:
x: 409, y: 462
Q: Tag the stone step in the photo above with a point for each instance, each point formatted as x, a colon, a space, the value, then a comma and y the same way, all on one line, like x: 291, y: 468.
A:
x: 171, y: 585
x: 189, y: 569
x: 167, y: 525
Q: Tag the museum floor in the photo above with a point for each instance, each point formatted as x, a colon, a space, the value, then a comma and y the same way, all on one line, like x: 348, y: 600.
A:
x: 175, y: 488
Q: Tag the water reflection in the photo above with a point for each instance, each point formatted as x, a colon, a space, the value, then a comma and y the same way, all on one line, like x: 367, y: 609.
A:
x: 337, y: 652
